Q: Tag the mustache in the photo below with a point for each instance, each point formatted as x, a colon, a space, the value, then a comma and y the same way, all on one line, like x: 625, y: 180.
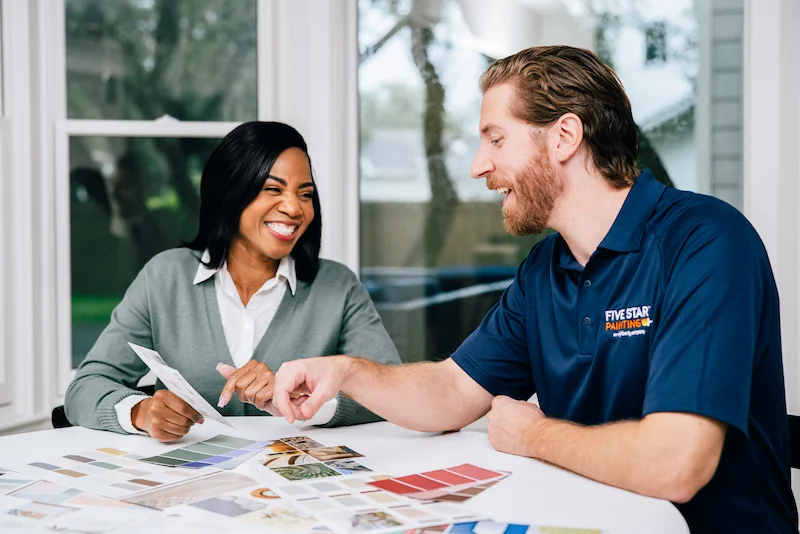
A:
x: 493, y: 182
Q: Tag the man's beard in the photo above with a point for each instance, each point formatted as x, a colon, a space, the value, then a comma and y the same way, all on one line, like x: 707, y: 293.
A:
x: 535, y: 192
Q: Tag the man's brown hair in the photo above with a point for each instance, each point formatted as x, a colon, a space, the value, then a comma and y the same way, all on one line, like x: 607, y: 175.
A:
x: 550, y: 81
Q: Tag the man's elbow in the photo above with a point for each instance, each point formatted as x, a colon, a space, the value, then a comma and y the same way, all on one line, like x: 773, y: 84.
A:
x: 682, y: 481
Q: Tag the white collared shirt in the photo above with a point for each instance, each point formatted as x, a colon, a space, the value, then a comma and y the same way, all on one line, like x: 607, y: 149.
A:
x: 243, y: 326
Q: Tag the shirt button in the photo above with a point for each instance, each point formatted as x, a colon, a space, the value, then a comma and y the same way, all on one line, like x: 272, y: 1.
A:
x: 248, y: 326
x: 587, y: 283
x: 587, y: 321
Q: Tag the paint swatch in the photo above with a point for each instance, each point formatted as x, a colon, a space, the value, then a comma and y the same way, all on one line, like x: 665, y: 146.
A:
x: 191, y: 491
x: 495, y: 527
x: 105, y: 471
x: 354, y: 505
x: 454, y: 484
x: 220, y: 452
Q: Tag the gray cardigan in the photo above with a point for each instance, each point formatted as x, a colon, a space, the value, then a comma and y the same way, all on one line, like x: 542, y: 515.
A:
x: 164, y: 311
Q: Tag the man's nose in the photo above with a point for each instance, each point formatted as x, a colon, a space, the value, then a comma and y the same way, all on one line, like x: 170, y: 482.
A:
x: 481, y: 166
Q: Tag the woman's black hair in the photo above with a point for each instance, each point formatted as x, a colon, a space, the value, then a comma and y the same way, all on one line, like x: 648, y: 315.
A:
x: 233, y: 176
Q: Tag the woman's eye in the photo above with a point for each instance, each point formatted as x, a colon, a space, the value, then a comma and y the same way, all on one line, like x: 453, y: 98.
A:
x: 308, y: 196
x: 497, y: 141
x: 272, y: 189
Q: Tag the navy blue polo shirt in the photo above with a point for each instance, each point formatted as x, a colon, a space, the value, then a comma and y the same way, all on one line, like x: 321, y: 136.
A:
x: 676, y: 311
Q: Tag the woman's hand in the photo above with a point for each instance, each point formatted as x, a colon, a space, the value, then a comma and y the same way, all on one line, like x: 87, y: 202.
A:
x: 165, y: 416
x: 253, y: 383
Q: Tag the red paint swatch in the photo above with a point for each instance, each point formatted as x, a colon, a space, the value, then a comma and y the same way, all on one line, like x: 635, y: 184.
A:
x: 394, y: 486
x: 422, y: 482
x: 475, y: 472
x: 448, y: 478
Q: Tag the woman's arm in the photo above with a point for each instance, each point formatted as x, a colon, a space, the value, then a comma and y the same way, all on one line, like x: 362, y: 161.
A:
x: 362, y: 335
x: 112, y: 370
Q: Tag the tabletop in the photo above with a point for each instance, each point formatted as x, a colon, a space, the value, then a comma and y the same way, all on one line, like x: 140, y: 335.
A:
x: 536, y: 493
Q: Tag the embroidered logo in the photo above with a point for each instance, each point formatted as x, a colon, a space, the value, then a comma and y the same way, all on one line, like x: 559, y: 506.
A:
x: 627, y: 322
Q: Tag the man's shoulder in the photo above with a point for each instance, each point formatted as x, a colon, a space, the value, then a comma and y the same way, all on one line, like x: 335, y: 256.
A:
x: 541, y: 254
x: 683, y: 222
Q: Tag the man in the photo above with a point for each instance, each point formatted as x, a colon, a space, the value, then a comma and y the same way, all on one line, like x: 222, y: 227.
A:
x: 648, y: 325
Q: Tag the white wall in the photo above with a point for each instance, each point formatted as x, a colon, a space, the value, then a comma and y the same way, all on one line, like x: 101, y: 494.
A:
x: 772, y: 160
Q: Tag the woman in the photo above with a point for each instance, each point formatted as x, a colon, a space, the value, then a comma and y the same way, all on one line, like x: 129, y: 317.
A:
x: 249, y: 292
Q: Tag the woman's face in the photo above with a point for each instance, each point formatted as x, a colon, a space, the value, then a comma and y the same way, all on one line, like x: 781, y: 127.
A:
x: 272, y: 223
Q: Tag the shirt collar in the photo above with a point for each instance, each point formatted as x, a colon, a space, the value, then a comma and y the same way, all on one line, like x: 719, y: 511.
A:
x: 286, y: 270
x: 626, y: 233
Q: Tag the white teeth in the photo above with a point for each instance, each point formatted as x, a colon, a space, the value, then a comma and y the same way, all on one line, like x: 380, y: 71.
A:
x: 503, y: 190
x: 283, y: 229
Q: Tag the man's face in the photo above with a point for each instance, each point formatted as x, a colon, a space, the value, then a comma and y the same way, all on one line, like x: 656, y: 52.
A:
x: 514, y: 160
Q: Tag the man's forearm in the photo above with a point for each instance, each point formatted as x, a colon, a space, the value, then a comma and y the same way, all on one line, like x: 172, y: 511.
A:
x: 622, y: 454
x: 420, y: 396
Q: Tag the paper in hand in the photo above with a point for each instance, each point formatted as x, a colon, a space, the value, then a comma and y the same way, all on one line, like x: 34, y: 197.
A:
x: 177, y: 384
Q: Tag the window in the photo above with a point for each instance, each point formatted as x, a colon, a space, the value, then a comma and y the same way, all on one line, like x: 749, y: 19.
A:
x: 130, y: 198
x: 151, y: 87
x: 434, y: 254
x: 191, y: 60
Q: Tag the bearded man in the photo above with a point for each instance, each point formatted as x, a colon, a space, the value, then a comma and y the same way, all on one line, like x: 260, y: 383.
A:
x: 648, y: 325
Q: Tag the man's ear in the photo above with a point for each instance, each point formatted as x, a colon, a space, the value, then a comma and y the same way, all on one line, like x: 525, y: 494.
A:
x: 568, y: 134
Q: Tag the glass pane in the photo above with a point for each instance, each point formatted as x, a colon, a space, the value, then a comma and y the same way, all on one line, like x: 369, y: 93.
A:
x: 434, y: 254
x: 130, y: 198
x: 143, y: 59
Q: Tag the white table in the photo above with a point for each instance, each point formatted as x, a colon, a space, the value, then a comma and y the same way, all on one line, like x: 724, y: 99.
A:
x: 535, y: 493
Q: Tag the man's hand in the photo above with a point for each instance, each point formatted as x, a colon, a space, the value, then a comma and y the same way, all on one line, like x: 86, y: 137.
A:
x: 165, y: 416
x: 253, y: 383
x: 318, y: 378
x: 512, y: 423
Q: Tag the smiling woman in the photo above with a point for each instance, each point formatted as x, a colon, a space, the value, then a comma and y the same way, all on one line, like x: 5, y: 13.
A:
x: 248, y: 293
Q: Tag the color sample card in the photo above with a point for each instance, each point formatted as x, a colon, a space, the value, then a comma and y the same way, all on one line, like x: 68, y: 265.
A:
x: 253, y: 508
x: 230, y: 505
x: 12, y: 483
x: 38, y: 511
x: 191, y: 491
x: 220, y: 452
x: 108, y: 472
x: 353, y: 505
x: 494, y: 527
x: 302, y: 458
x: 177, y: 384
x: 305, y: 472
x: 454, y: 484
x: 324, y: 454
x: 66, y: 509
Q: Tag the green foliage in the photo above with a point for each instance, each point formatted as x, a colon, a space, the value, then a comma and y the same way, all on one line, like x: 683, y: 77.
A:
x: 93, y: 309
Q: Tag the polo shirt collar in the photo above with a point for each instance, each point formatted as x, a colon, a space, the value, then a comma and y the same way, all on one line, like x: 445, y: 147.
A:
x: 286, y: 270
x: 626, y: 233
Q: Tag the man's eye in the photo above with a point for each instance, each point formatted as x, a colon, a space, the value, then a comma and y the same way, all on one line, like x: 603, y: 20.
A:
x: 497, y: 141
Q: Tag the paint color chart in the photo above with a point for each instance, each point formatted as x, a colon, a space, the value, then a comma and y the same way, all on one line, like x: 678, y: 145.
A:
x: 495, y: 527
x: 108, y: 472
x: 353, y: 504
x: 220, y: 452
x: 454, y: 484
x: 42, y: 505
x: 248, y: 508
